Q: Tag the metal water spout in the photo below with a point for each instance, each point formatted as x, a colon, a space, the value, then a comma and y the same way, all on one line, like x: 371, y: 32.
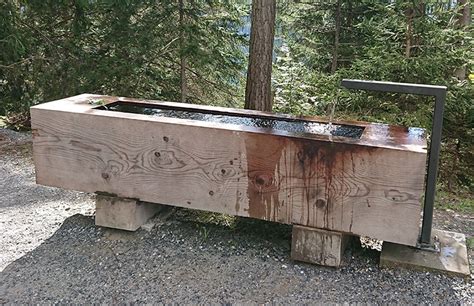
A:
x: 439, y: 92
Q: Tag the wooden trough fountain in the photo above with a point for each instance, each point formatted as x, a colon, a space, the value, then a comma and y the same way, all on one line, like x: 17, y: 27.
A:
x: 329, y: 181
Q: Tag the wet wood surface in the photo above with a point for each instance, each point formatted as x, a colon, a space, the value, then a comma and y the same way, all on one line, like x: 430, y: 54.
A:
x: 370, y: 186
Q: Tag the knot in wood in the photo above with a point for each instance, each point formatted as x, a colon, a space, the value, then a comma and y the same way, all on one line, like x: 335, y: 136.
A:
x: 263, y: 180
x: 320, y: 203
x: 301, y: 156
x: 397, y: 196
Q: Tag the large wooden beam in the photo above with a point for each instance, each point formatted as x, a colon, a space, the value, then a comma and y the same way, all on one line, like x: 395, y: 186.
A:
x: 369, y: 186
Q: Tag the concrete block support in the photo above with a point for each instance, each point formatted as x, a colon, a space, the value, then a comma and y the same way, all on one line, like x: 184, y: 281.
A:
x: 451, y: 258
x: 318, y: 246
x: 122, y: 213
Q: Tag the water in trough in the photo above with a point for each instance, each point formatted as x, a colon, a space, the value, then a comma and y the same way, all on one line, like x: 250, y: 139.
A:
x: 295, y: 126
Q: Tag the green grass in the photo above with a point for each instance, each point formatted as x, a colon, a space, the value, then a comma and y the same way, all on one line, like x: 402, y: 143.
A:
x: 470, y: 243
x: 217, y: 219
x: 462, y: 202
x: 205, y: 217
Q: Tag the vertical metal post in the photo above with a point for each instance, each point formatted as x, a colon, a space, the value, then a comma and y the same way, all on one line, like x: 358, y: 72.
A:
x: 435, y: 147
x: 439, y: 92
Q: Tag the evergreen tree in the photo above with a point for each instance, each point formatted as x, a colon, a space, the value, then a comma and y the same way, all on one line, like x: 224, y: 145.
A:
x: 258, y: 91
x: 400, y: 41
x: 53, y: 49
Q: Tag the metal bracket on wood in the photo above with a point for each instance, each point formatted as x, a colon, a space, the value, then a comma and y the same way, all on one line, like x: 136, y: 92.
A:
x: 439, y: 92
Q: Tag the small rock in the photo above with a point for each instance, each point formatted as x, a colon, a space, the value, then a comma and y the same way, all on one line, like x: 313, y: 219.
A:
x: 148, y: 226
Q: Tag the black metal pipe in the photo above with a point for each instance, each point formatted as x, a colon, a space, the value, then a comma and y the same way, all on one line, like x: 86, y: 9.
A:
x: 406, y: 88
x: 435, y: 146
x: 439, y: 92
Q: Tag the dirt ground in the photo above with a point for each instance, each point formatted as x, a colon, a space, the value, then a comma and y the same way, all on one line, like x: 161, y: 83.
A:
x: 51, y: 252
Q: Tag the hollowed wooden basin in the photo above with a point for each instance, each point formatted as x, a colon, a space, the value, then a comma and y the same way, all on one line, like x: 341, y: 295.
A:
x: 368, y: 184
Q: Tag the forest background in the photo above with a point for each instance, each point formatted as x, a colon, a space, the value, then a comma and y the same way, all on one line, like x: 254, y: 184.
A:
x: 196, y: 51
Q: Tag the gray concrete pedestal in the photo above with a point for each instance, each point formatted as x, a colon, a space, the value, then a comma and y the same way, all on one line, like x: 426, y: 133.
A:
x: 122, y: 213
x: 451, y: 258
x: 318, y: 246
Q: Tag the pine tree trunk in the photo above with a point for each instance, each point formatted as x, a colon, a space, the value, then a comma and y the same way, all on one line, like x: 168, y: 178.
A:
x: 463, y: 21
x: 409, y: 14
x: 336, y: 37
x: 182, y: 57
x: 258, y: 93
x: 350, y: 12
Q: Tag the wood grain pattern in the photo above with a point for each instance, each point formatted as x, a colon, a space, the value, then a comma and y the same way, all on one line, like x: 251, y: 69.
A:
x: 368, y: 187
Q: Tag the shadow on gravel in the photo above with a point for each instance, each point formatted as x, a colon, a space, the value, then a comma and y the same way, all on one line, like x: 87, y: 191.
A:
x: 184, y: 261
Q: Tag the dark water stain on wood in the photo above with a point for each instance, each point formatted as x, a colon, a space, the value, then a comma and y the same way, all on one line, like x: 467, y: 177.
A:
x: 320, y: 164
x: 307, y: 156
x: 313, y: 166
x: 263, y: 156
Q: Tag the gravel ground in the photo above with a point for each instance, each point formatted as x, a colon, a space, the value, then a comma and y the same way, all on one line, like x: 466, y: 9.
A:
x: 50, y: 251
